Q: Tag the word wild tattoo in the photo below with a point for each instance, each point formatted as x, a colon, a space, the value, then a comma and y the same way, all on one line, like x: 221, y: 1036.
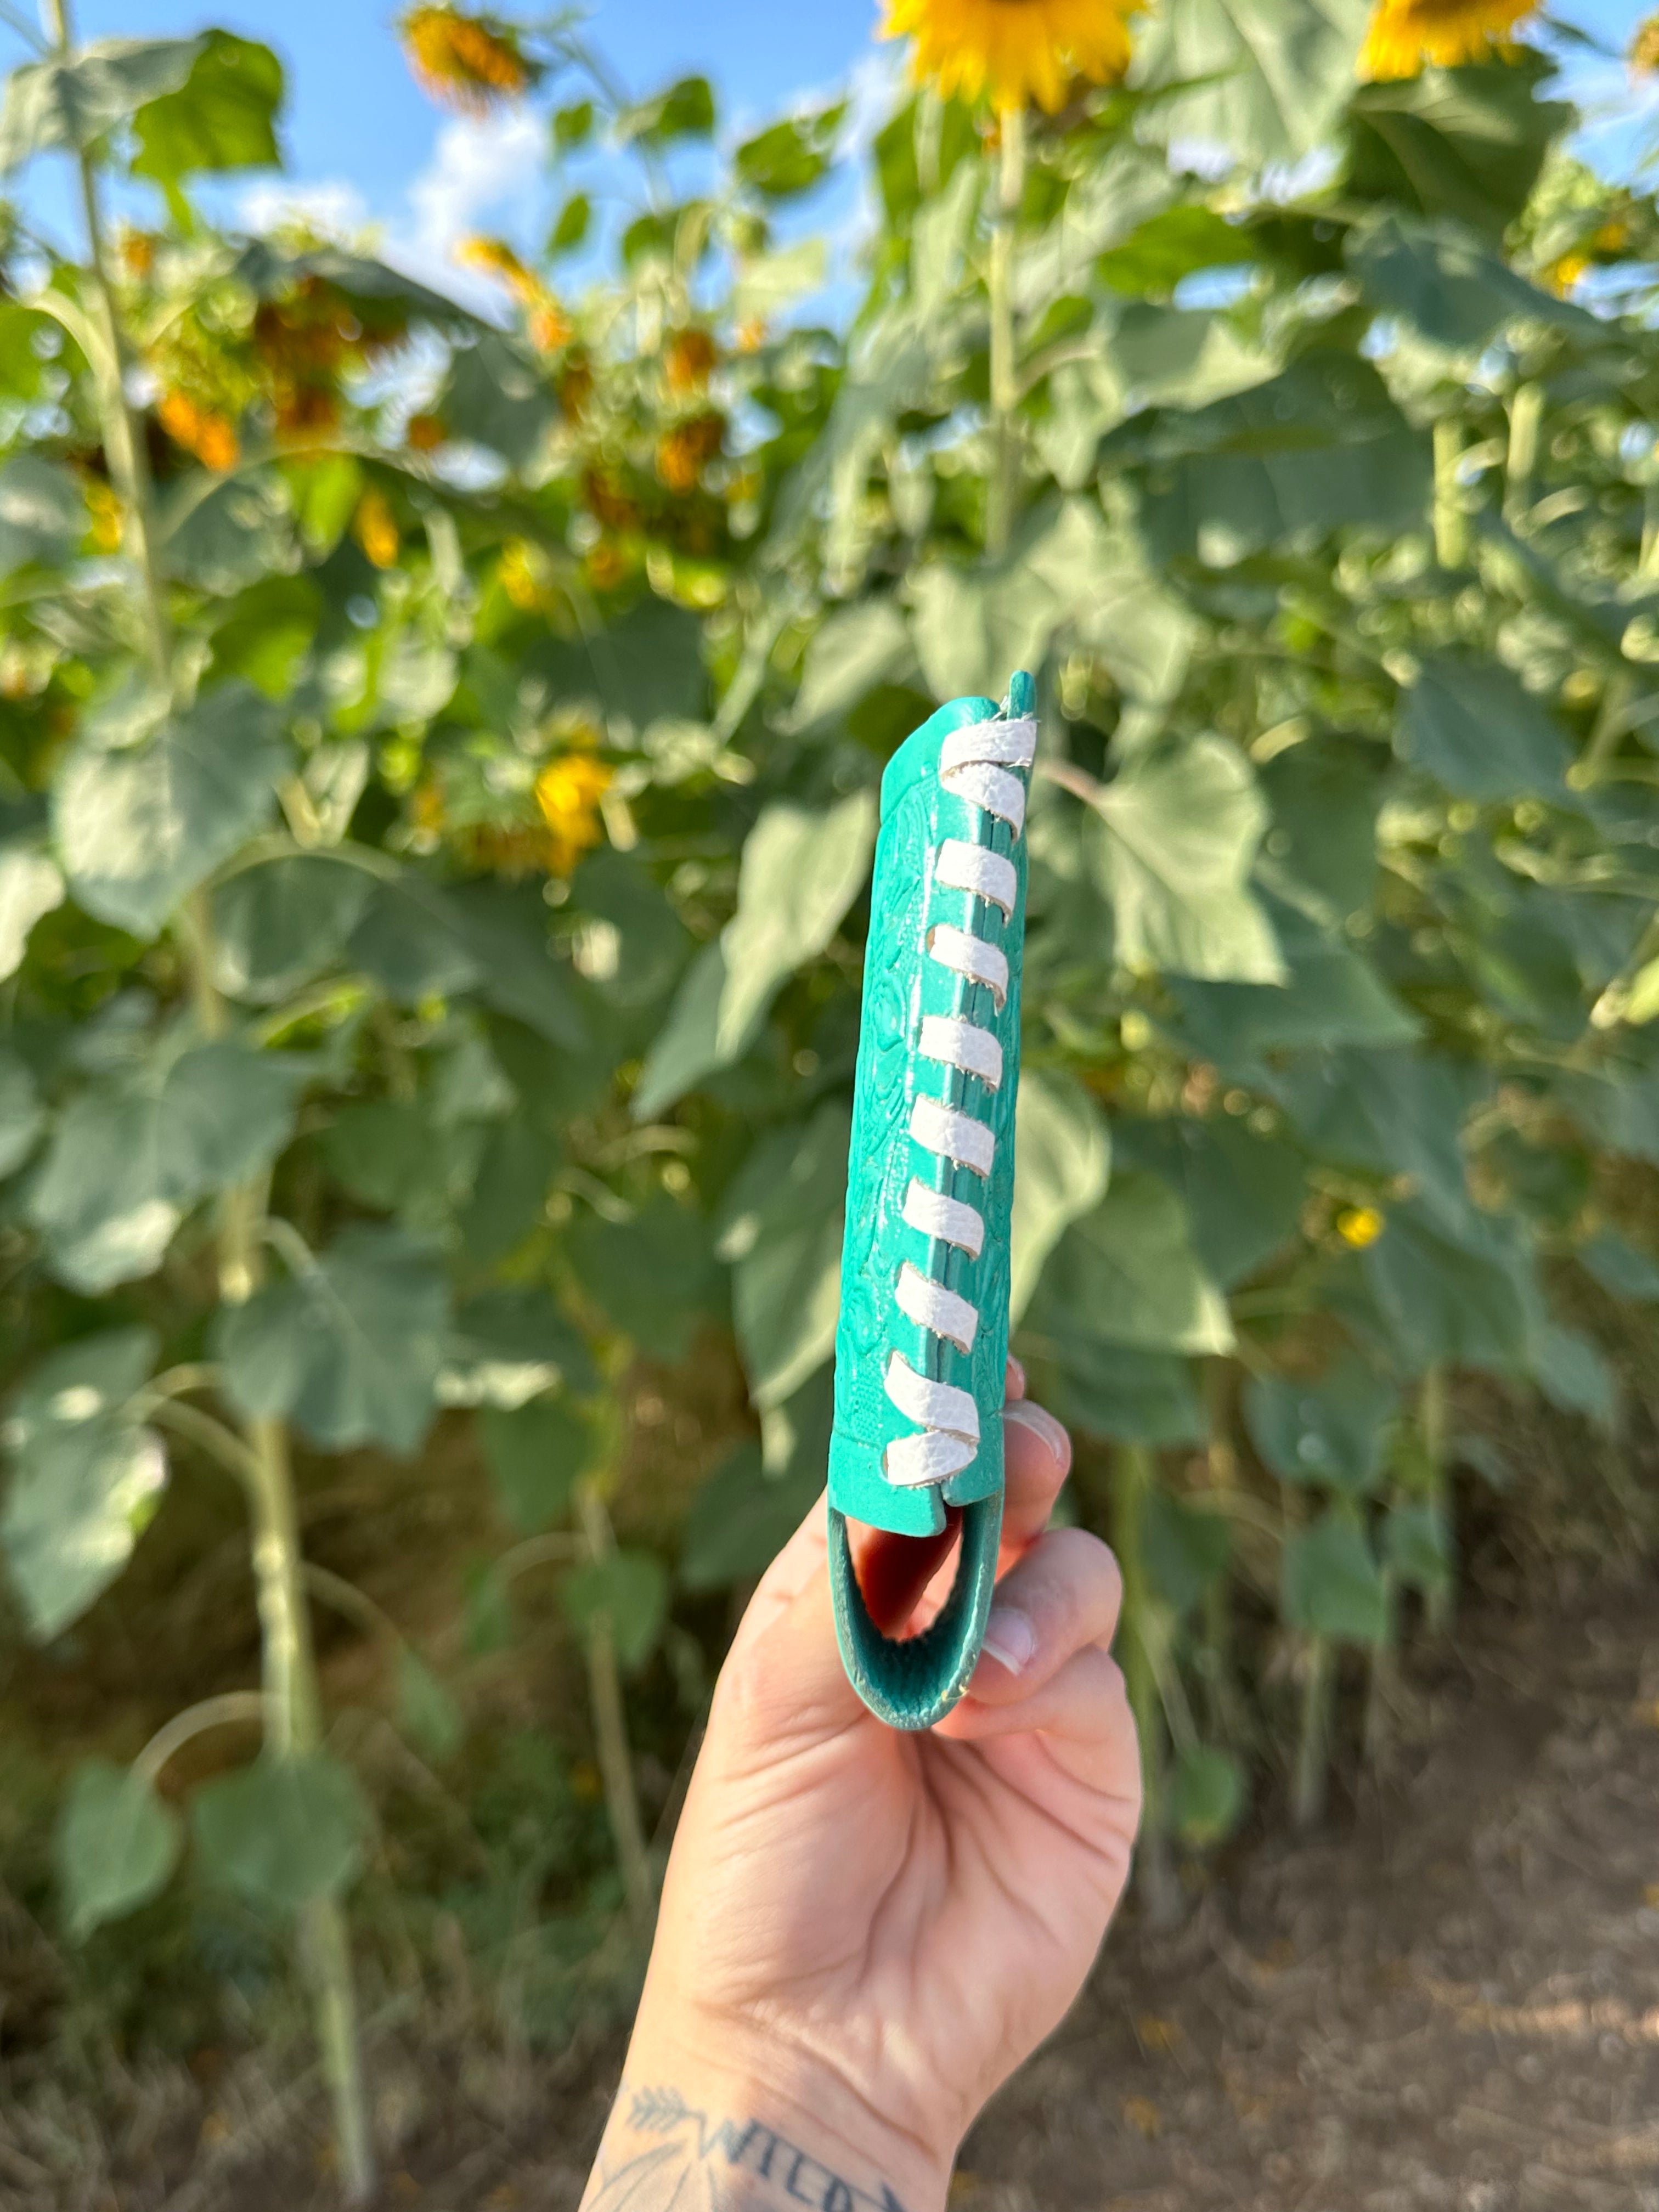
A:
x: 692, y: 2163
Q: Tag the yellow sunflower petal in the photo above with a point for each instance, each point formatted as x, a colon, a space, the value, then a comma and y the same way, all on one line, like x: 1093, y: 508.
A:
x: 1016, y: 50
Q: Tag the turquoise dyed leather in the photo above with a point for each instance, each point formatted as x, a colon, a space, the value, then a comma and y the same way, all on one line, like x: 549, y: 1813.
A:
x: 899, y: 1466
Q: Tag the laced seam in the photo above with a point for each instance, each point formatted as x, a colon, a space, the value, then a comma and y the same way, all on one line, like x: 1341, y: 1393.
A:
x: 974, y: 765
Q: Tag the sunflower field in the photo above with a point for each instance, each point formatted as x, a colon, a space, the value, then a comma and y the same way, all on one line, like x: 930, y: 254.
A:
x: 438, y: 770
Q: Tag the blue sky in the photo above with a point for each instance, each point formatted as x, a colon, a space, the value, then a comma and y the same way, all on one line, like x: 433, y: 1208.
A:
x: 364, y: 146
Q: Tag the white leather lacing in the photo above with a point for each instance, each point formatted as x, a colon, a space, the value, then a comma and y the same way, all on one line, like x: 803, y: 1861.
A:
x: 974, y: 765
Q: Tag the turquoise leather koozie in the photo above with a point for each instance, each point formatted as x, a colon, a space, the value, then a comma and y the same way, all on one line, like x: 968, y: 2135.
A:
x: 923, y: 1335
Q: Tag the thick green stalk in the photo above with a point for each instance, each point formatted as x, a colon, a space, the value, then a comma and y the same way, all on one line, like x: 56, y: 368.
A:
x: 1002, y: 493
x: 1223, y: 1702
x: 1132, y: 1480
x: 610, y: 1729
x: 1313, y: 1750
x: 1432, y: 1417
x: 1451, y: 523
x: 292, y: 1706
x: 1526, y: 415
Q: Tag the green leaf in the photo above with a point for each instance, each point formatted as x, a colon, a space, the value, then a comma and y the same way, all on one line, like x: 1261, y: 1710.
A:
x: 1332, y: 1585
x: 1131, y: 1397
x: 1620, y: 1269
x: 504, y: 929
x: 1466, y: 1301
x: 222, y: 117
x: 1244, y: 1193
x: 740, y: 1519
x: 31, y: 885
x: 1321, y: 853
x: 428, y: 1713
x: 1321, y: 448
x: 856, y: 648
x: 143, y: 815
x: 1175, y: 837
x: 1332, y: 995
x: 972, y: 625
x: 639, y: 944
x: 1417, y: 1543
x: 685, y: 109
x: 277, y: 926
x: 116, y: 1845
x: 85, y: 1475
x: 627, y: 1592
x: 782, y: 1227
x: 1175, y: 243
x: 1468, y: 143
x: 283, y: 1832
x: 410, y: 940
x: 570, y: 225
x: 128, y: 1158
x: 1063, y: 1156
x: 1445, y: 283
x: 1573, y: 1375
x: 536, y: 1455
x: 495, y: 395
x: 507, y: 1346
x: 654, y: 1277
x: 1395, y: 1113
x: 1127, y: 1273
x: 802, y: 868
x: 22, y: 1116
x: 791, y: 156
x: 72, y: 103
x: 1333, y: 1430
x: 1206, y: 1795
x: 43, y: 511
x: 351, y: 1348
x: 238, y: 533
x: 1268, y: 79
x: 1471, y: 726
x: 573, y: 125
x: 1186, y: 1548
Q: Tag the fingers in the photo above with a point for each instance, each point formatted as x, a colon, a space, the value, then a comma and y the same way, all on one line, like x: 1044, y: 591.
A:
x: 1061, y: 1598
x: 895, y: 1572
x: 1036, y: 1459
x: 1083, y: 1711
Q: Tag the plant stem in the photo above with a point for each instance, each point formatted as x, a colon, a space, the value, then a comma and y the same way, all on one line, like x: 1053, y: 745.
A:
x: 1431, y: 1416
x: 292, y: 1706
x: 1526, y: 415
x: 1003, y: 491
x: 1313, y: 1750
x: 1379, y: 1688
x: 1224, y: 1705
x: 611, y: 1729
x: 1131, y: 1479
x: 1451, y: 540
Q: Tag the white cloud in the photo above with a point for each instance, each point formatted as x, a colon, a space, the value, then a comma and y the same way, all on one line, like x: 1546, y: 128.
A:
x: 329, y: 205
x: 481, y: 166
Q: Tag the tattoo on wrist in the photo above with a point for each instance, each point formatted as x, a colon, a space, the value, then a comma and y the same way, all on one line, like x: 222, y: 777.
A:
x: 668, y: 2156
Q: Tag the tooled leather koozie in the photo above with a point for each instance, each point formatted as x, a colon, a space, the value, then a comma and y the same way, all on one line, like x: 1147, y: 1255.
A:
x: 921, y: 1345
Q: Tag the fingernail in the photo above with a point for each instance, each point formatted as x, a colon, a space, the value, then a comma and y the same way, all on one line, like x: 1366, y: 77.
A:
x: 1010, y: 1638
x: 1016, y: 1384
x: 1043, y: 1426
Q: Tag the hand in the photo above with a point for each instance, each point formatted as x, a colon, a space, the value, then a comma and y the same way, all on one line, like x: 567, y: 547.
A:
x: 863, y: 1933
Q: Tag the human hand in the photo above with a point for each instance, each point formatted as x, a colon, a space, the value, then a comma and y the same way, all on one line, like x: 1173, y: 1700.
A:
x: 863, y: 1932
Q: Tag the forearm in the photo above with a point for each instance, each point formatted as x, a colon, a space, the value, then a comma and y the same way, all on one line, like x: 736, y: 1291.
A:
x: 683, y: 2137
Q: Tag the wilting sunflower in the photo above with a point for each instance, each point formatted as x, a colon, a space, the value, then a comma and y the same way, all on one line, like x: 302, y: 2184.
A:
x: 1014, y: 51
x: 473, y: 62
x: 1407, y: 36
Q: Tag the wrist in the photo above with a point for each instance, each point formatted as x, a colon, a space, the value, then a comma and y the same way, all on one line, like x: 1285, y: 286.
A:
x: 785, y: 2119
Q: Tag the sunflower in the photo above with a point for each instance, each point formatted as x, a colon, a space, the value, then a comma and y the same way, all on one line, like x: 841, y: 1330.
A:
x: 546, y: 323
x: 569, y: 792
x: 473, y: 62
x: 1016, y: 50
x: 375, y: 526
x: 1360, y: 1225
x: 1407, y: 35
x: 201, y: 430
x: 1642, y: 53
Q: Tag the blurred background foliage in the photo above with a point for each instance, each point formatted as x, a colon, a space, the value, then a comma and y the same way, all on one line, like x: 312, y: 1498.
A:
x: 438, y: 761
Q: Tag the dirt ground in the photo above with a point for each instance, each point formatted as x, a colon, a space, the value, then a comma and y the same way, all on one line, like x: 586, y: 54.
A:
x: 1449, y: 2000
